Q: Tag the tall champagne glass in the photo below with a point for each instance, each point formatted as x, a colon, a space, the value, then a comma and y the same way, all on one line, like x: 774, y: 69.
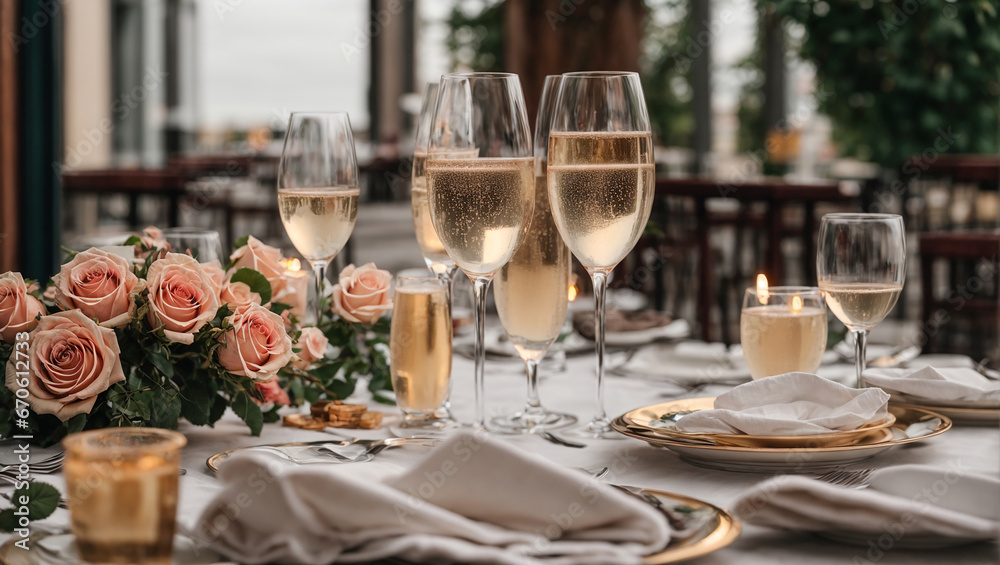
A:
x: 318, y: 188
x: 531, y: 291
x: 600, y: 184
x: 480, y: 183
x: 861, y: 265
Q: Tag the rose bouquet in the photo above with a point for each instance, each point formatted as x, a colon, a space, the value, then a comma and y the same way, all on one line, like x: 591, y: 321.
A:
x: 119, y: 342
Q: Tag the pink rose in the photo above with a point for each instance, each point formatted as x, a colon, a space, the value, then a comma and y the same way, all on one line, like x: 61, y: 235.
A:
x: 362, y: 294
x: 271, y: 391
x: 313, y: 344
x: 99, y: 284
x: 151, y: 237
x: 293, y: 289
x: 256, y: 345
x: 237, y: 294
x: 262, y: 258
x: 182, y: 298
x: 71, y: 360
x: 18, y: 309
x: 215, y: 272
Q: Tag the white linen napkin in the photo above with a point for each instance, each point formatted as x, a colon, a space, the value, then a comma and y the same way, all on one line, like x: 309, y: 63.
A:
x: 792, y: 404
x: 921, y: 500
x: 473, y: 499
x: 953, y: 386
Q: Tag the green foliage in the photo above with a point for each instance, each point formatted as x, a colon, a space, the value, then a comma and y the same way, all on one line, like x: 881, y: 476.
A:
x: 475, y: 37
x: 42, y: 501
x: 666, y: 73
x: 255, y: 281
x: 905, y: 77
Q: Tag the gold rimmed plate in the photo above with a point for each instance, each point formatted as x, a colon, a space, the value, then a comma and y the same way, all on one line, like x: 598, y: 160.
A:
x: 719, y: 530
x: 912, y: 424
x: 649, y: 419
x: 959, y: 415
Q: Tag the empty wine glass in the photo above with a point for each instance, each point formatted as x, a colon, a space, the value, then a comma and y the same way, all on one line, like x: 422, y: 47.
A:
x: 861, y: 266
x: 480, y: 182
x: 318, y: 188
x: 600, y: 181
x: 204, y: 245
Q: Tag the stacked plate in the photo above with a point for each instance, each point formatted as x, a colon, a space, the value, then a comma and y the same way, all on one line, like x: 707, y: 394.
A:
x: 777, y: 454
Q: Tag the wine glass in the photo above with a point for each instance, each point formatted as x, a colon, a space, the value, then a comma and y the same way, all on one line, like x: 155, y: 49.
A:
x: 204, y: 245
x: 318, y: 188
x: 861, y: 265
x: 532, y: 290
x: 600, y: 182
x: 480, y: 182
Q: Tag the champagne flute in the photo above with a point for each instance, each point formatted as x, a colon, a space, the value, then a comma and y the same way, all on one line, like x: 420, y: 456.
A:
x: 318, y: 188
x: 600, y: 182
x: 480, y: 183
x: 861, y: 266
x: 532, y: 290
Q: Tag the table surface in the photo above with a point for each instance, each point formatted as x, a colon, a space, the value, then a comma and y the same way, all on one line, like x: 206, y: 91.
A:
x: 631, y: 462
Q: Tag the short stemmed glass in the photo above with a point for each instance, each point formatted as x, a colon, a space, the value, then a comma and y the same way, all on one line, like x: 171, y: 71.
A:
x: 318, y: 188
x: 480, y: 182
x: 600, y: 180
x: 861, y: 266
x: 532, y: 290
x: 204, y: 245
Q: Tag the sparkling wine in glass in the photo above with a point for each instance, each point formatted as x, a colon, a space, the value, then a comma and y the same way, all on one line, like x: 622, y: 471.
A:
x: 532, y: 289
x: 318, y: 188
x: 782, y: 329
x: 600, y: 182
x: 480, y: 183
x: 420, y: 343
x: 861, y: 266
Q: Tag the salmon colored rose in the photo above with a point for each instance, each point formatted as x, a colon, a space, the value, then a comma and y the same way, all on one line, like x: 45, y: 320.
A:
x: 271, y: 391
x: 256, y: 345
x: 18, y: 309
x: 182, y: 298
x: 237, y: 294
x: 215, y: 272
x: 71, y: 360
x: 151, y: 237
x: 362, y: 295
x: 99, y: 284
x: 262, y: 258
x: 312, y: 347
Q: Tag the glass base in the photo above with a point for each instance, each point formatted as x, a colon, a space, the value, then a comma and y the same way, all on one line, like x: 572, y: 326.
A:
x: 595, y: 429
x: 524, y: 423
x: 433, y: 423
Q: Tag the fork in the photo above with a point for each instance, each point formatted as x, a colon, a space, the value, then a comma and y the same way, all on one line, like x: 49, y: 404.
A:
x: 48, y: 465
x: 859, y: 478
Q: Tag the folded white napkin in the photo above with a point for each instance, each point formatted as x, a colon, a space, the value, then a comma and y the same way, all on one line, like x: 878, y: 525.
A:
x: 677, y: 329
x: 915, y: 500
x: 953, y: 386
x: 473, y: 499
x: 792, y: 404
x: 688, y: 362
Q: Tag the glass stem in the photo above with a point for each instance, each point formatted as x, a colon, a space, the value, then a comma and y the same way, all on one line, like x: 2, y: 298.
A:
x: 600, y: 289
x: 479, y: 286
x: 319, y: 271
x: 860, y: 343
x: 448, y: 276
x: 533, y: 407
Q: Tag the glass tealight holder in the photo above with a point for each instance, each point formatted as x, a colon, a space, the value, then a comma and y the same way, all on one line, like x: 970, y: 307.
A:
x: 783, y: 330
x: 122, y: 491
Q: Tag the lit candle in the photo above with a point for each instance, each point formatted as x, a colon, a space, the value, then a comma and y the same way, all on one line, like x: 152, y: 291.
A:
x: 782, y: 329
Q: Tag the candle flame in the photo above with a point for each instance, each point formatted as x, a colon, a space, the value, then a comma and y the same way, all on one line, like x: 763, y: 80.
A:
x: 291, y: 264
x: 573, y: 291
x: 796, y: 304
x: 762, y: 293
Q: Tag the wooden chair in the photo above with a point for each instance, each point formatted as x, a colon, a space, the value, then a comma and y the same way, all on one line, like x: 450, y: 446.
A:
x: 966, y: 318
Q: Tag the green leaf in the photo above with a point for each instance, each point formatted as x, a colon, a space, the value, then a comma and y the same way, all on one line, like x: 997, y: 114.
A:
x: 279, y: 307
x: 249, y: 412
x: 8, y: 521
x: 133, y: 240
x: 158, y: 356
x: 240, y: 242
x: 196, y: 404
x: 255, y: 281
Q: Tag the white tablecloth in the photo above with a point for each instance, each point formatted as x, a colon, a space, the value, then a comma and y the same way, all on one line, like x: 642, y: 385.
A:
x: 631, y: 462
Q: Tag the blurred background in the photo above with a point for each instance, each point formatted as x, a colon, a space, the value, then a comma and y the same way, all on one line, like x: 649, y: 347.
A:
x: 118, y: 114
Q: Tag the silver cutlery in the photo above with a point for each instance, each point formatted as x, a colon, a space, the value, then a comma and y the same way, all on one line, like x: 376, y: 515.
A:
x: 859, y: 478
x: 983, y: 369
x: 682, y: 524
x: 897, y: 358
x: 551, y: 437
x: 46, y: 466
